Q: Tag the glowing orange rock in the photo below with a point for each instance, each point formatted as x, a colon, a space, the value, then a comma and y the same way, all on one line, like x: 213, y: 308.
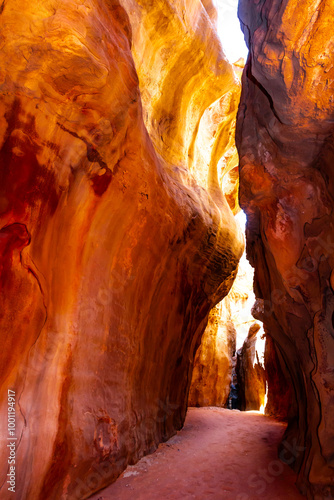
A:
x: 211, y: 377
x: 251, y: 373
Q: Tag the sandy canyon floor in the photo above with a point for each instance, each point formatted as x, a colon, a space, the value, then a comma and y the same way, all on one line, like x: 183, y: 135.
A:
x: 219, y: 454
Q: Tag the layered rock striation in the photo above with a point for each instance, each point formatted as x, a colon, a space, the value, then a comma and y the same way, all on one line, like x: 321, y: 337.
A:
x: 285, y: 142
x: 111, y: 254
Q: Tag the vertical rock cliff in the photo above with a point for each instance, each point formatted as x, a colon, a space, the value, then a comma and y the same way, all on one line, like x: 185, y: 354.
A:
x: 251, y: 373
x: 211, y: 377
x: 111, y: 255
x: 285, y: 142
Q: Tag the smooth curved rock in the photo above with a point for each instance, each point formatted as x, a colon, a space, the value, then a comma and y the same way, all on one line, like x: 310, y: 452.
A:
x: 211, y: 376
x: 285, y: 143
x: 110, y: 262
x: 184, y: 75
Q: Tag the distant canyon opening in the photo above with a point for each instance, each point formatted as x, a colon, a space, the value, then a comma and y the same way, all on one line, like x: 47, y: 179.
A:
x: 229, y: 366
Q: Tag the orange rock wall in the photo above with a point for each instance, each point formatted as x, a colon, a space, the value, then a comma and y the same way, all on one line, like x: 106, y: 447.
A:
x: 251, y: 373
x: 281, y: 402
x: 190, y: 94
x: 110, y: 259
x: 182, y: 70
x: 211, y: 376
x: 285, y: 143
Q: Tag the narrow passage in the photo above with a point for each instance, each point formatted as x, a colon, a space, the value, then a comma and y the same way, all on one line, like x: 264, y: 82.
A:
x: 219, y: 454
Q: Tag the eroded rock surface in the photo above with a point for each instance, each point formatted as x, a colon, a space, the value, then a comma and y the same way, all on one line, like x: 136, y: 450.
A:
x: 211, y: 377
x: 110, y: 261
x: 280, y: 398
x: 251, y: 373
x: 182, y: 70
x: 190, y: 93
x: 285, y: 142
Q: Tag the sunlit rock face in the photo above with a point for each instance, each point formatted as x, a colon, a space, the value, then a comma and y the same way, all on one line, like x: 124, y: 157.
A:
x: 211, y: 377
x: 190, y: 92
x: 251, y: 373
x: 211, y: 10
x: 182, y: 70
x: 215, y: 159
x: 285, y: 142
x: 110, y: 262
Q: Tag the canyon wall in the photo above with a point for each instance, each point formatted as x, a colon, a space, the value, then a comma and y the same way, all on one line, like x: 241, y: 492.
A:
x: 280, y: 395
x: 285, y: 143
x: 112, y: 253
x: 190, y: 93
x: 251, y: 373
x: 211, y: 377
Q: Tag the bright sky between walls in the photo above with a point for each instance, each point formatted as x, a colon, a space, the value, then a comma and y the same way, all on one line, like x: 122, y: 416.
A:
x: 229, y: 30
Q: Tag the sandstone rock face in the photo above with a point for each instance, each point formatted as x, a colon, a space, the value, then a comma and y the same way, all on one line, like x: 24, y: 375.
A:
x: 285, y: 142
x: 251, y: 373
x: 280, y: 399
x: 190, y: 92
x: 110, y: 261
x: 211, y: 377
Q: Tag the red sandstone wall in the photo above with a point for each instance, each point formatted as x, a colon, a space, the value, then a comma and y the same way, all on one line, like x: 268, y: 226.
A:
x: 285, y: 142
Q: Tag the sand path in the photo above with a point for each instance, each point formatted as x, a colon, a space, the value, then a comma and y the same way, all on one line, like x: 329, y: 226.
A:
x: 219, y: 454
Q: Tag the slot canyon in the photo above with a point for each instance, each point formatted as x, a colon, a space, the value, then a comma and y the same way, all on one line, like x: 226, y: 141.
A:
x: 132, y: 302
